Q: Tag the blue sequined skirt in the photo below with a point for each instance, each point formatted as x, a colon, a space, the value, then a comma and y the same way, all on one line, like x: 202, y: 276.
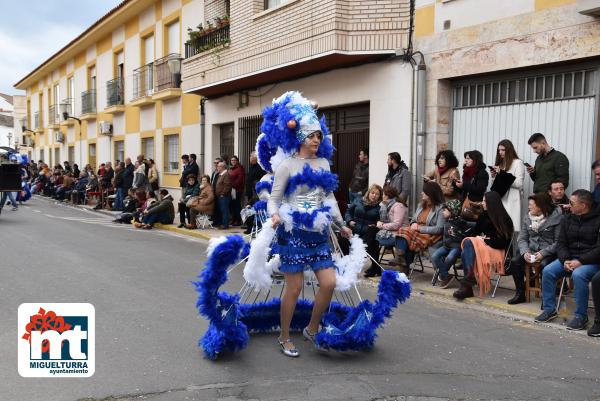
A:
x: 302, y: 249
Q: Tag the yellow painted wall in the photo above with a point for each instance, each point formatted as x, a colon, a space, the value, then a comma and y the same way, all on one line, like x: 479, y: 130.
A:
x: 424, y: 20
x: 104, y: 45
x: 132, y: 119
x: 131, y: 27
x: 189, y: 109
x: 158, y: 113
x: 544, y: 4
x: 79, y: 60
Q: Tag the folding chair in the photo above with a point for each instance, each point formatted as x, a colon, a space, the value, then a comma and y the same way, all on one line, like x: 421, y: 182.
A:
x: 436, y: 272
x: 383, y: 250
x: 507, y: 260
x: 562, y: 292
x: 414, y: 264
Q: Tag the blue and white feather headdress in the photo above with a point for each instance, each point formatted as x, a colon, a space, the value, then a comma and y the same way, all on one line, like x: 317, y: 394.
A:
x: 286, y: 124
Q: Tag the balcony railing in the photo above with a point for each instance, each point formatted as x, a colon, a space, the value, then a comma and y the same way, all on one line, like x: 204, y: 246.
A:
x: 53, y: 115
x: 37, y: 120
x: 88, y: 101
x: 206, y: 41
x: 114, y: 92
x: 143, y: 82
x: 70, y: 107
x: 165, y: 79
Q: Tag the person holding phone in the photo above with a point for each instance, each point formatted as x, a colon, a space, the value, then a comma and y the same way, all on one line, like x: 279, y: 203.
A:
x: 549, y: 165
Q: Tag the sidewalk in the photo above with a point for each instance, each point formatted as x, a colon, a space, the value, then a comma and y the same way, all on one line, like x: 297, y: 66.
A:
x: 421, y: 282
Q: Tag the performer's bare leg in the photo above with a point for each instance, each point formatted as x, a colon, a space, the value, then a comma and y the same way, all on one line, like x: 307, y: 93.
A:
x: 293, y: 286
x: 326, y: 279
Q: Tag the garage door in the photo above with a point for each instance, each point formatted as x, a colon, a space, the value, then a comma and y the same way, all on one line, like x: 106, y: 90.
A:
x: 562, y: 106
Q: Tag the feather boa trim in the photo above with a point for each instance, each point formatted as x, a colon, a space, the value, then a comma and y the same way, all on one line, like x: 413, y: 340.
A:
x: 313, y: 219
x: 312, y: 179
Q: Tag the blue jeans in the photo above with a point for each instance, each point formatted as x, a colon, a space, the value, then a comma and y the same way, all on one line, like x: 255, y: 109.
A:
x: 119, y: 199
x: 443, y: 259
x: 10, y: 196
x: 224, y: 209
x: 468, y: 257
x: 581, y: 279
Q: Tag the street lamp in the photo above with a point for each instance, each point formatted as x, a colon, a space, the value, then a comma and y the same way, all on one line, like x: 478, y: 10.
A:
x: 64, y: 111
x: 174, y: 64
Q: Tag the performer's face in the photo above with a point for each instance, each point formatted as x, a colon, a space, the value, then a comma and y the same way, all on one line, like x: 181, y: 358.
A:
x: 313, y: 141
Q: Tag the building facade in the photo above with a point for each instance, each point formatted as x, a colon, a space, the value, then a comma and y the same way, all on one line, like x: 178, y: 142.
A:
x: 7, y: 134
x: 120, y: 80
x: 509, y: 69
x: 341, y: 53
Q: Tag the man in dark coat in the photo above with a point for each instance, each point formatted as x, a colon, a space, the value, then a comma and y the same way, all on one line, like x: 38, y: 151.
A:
x: 549, y: 165
x: 254, y: 174
x: 578, y: 252
x: 128, y: 174
x: 360, y: 176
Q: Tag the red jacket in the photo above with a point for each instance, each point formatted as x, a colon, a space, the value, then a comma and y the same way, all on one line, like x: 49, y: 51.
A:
x: 237, y: 175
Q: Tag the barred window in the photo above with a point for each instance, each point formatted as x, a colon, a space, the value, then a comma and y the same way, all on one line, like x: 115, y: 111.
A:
x: 120, y: 151
x: 148, y: 147
x: 531, y: 89
x: 71, y: 156
x: 171, y: 164
x: 273, y: 3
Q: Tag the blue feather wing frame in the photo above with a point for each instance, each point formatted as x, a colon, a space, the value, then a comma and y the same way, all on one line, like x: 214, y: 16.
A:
x: 345, y: 328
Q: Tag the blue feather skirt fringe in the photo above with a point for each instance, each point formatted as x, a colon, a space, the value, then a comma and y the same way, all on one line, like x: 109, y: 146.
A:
x: 345, y: 328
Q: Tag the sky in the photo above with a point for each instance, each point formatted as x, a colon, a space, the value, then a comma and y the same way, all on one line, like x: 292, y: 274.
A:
x: 33, y: 30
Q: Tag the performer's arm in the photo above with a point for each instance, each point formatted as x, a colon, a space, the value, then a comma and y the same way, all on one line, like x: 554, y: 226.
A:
x: 281, y: 178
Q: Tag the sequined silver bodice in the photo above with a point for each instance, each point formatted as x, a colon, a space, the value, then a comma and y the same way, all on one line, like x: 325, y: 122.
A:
x: 312, y: 199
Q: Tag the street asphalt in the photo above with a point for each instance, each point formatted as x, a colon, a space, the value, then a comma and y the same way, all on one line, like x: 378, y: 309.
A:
x: 147, y: 330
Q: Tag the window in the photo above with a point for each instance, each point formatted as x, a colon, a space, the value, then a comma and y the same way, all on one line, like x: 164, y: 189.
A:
x: 70, y: 95
x: 120, y: 62
x: 56, y: 99
x: 149, y: 49
x: 119, y: 151
x: 173, y: 38
x: 171, y: 153
x: 92, y: 78
x: 56, y: 155
x: 71, y: 156
x: 92, y: 155
x: 42, y: 155
x: 148, y: 147
x: 273, y: 3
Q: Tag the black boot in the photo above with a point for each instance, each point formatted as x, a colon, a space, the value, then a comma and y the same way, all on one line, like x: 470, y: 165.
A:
x: 373, y: 271
x: 519, y: 297
x: 465, y: 291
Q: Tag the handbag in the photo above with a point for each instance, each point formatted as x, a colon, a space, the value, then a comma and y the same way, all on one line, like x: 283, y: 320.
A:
x: 502, y: 183
x: 383, y: 235
x: 471, y: 210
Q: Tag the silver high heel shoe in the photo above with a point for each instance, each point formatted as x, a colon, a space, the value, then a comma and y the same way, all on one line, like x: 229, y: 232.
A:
x: 309, y: 337
x: 291, y: 352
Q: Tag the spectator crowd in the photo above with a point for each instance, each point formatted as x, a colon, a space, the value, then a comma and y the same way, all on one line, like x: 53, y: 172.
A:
x: 470, y: 220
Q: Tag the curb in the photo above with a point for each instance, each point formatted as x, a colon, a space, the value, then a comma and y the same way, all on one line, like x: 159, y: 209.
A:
x: 184, y: 231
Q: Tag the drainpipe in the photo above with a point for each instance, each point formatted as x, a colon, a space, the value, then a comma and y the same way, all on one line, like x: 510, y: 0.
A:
x: 420, y: 128
x: 202, y: 132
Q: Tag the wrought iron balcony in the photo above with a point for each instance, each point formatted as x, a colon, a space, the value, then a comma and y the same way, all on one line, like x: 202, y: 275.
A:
x: 68, y: 105
x: 88, y: 101
x: 143, y: 81
x: 53, y: 115
x: 167, y: 77
x: 207, y: 40
x: 114, y: 92
x: 37, y: 120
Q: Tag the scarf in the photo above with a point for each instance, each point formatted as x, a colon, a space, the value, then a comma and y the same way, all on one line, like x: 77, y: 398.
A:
x: 468, y: 173
x: 442, y: 170
x: 385, y: 209
x: 536, y: 221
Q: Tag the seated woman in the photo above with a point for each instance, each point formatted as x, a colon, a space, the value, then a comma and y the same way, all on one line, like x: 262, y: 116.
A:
x: 191, y: 189
x: 362, y: 216
x: 161, y: 212
x: 205, y: 203
x: 485, y: 253
x: 131, y: 203
x: 426, y: 229
x: 455, y: 229
x: 393, y: 214
x: 537, y: 240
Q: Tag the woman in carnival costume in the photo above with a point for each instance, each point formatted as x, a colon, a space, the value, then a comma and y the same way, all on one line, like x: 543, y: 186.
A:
x: 302, y: 208
x: 296, y: 216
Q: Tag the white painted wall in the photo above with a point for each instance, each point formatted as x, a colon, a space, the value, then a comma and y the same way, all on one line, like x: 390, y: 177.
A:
x: 148, y: 118
x: 118, y: 36
x: 171, y: 113
x: 386, y: 85
x: 104, y: 69
x: 132, y: 146
x: 146, y: 18
x: 132, y: 61
x: 119, y: 124
x: 464, y: 13
x: 170, y: 6
x: 191, y: 15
